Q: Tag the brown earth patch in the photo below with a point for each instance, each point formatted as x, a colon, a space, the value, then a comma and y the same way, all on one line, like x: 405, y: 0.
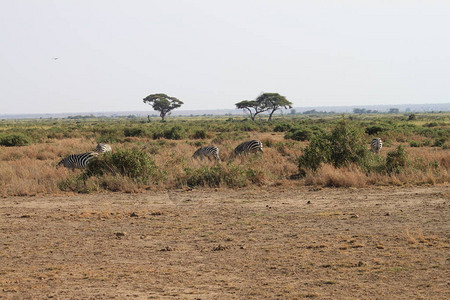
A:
x: 375, y: 243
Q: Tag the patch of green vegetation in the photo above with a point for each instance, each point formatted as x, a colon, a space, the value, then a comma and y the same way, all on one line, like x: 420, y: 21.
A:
x: 12, y: 140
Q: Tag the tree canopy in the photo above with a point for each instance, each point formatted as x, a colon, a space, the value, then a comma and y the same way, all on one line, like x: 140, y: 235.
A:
x: 251, y: 106
x: 272, y: 102
x: 265, y: 102
x: 163, y: 103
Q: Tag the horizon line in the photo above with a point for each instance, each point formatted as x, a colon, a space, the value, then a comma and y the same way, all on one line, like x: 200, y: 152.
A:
x: 225, y: 109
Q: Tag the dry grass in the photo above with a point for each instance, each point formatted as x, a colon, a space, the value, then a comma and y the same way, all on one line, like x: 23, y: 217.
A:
x: 31, y: 170
x: 426, y: 166
x: 330, y: 176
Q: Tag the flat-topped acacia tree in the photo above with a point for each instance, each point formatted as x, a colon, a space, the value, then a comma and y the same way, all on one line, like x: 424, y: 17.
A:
x: 252, y: 107
x: 265, y: 102
x: 163, y: 103
x: 273, y: 102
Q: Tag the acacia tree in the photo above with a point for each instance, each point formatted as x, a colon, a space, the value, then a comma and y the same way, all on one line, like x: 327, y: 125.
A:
x: 163, y: 103
x: 272, y: 102
x: 265, y: 102
x: 252, y: 107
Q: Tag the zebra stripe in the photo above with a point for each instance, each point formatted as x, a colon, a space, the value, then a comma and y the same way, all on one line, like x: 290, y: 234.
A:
x: 102, y: 148
x: 77, y: 160
x: 376, y: 145
x: 208, y: 151
x: 253, y: 146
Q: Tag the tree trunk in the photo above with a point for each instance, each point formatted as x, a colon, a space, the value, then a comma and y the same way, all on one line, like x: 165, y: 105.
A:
x: 163, y: 116
x: 256, y: 112
x: 252, y: 116
x: 271, y: 113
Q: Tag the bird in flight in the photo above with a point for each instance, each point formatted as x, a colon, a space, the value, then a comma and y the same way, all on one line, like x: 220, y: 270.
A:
x: 55, y: 58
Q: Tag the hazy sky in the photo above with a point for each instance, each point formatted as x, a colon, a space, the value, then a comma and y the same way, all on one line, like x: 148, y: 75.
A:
x: 212, y: 54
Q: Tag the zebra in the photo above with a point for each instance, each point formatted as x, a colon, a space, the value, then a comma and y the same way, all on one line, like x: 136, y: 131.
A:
x: 376, y: 145
x: 77, y: 160
x: 102, y: 148
x: 252, y: 146
x: 208, y: 151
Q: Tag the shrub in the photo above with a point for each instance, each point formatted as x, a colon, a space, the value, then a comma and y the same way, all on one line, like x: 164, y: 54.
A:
x: 396, y: 160
x: 414, y: 144
x: 315, y: 154
x: 135, y: 164
x: 138, y: 132
x: 426, y: 142
x: 412, y: 117
x: 342, y: 147
x: 158, y: 134
x: 431, y: 124
x: 175, y: 133
x: 347, y: 145
x: 373, y: 130
x: 373, y: 163
x: 298, y: 134
x: 282, y: 127
x: 439, y: 142
x: 12, y: 140
x: 200, y: 134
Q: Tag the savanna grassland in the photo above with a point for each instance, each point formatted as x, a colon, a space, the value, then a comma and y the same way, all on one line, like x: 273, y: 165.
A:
x: 158, y: 156
x: 316, y: 216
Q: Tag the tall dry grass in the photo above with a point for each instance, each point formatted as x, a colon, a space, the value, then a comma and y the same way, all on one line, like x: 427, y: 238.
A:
x: 425, y: 166
x: 31, y: 170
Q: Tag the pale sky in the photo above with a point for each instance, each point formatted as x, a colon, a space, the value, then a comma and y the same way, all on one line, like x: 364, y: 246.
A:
x: 212, y: 54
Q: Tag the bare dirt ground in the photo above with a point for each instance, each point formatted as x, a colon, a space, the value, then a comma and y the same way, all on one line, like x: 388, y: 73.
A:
x: 378, y: 243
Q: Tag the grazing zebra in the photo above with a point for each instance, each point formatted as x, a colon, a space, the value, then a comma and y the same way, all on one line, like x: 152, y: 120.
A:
x: 208, y: 151
x: 102, y: 148
x: 253, y: 146
x: 77, y: 160
x: 376, y: 145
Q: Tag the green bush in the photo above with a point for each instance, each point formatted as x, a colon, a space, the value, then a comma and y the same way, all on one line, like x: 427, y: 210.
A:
x: 412, y: 117
x: 318, y: 152
x: 371, y: 130
x: 158, y: 134
x: 414, y: 144
x: 137, y: 132
x: 373, y: 163
x: 431, y: 124
x: 347, y: 145
x: 440, y: 142
x: 12, y: 140
x: 135, y: 164
x: 343, y: 146
x: 282, y: 127
x: 175, y: 133
x: 298, y: 134
x: 426, y: 143
x: 200, y: 134
x: 396, y: 160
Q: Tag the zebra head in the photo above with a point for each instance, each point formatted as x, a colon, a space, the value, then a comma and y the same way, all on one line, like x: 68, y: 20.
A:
x: 60, y: 163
